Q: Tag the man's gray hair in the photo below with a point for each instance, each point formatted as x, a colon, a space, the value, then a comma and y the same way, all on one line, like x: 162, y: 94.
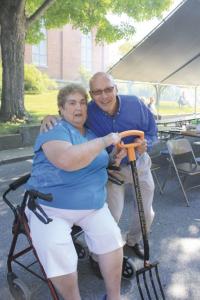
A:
x: 101, y: 74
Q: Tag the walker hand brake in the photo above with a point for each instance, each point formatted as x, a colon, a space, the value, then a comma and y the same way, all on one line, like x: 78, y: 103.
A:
x: 36, y: 208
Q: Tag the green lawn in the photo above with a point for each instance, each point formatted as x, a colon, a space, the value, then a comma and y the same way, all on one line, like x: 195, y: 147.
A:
x: 41, y: 105
x: 37, y: 106
x: 172, y: 108
x: 44, y: 104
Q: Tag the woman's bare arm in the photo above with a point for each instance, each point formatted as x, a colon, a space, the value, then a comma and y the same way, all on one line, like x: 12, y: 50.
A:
x: 70, y: 157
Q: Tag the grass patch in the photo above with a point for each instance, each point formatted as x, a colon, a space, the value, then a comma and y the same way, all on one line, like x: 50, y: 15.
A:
x: 172, y: 108
x: 41, y: 105
x: 37, y: 106
x: 7, y: 128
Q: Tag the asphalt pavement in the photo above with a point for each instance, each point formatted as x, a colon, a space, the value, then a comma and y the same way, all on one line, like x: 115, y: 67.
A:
x: 174, y: 242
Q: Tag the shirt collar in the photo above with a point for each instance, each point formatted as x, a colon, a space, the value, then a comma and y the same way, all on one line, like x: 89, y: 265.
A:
x: 119, y: 104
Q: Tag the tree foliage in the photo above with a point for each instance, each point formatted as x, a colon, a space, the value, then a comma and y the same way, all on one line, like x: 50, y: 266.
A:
x: 87, y: 14
x: 125, y: 47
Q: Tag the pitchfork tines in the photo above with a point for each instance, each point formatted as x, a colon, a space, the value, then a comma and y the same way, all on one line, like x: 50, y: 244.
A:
x: 148, y: 282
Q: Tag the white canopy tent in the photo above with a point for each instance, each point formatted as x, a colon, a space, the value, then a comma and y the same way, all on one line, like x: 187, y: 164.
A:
x: 170, y: 54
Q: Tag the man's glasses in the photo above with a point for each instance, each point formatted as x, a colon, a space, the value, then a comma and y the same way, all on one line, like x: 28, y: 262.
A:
x: 107, y: 90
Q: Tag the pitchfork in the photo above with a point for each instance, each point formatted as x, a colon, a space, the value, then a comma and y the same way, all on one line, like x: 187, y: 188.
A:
x: 151, y: 283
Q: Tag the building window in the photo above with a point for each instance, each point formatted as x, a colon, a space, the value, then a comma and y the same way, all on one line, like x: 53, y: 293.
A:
x: 39, y: 52
x: 86, y: 51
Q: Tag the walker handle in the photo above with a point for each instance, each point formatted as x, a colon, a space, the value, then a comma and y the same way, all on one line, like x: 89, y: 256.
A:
x: 131, y: 147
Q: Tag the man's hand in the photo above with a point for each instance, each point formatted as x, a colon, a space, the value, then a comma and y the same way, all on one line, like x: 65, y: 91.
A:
x: 48, y: 123
x: 142, y: 147
x: 119, y: 156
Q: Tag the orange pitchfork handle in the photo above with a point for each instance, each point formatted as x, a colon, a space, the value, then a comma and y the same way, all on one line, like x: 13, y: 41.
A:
x: 131, y: 147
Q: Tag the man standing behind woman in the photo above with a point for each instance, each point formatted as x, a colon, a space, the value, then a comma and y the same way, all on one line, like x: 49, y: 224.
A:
x: 110, y: 112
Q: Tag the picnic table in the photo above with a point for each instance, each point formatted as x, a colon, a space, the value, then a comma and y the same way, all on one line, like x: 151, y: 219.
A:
x: 178, y: 120
x: 171, y: 131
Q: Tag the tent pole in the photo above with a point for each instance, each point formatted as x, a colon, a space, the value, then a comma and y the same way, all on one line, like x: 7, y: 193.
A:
x: 195, y: 97
x: 157, y: 99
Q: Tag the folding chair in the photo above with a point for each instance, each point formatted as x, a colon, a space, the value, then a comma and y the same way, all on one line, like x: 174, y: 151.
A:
x: 197, y: 144
x: 184, y: 162
x: 155, y: 155
x: 155, y: 167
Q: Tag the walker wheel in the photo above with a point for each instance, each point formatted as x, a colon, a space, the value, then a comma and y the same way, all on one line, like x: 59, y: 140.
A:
x: 128, y: 268
x: 18, y: 288
x: 80, y: 249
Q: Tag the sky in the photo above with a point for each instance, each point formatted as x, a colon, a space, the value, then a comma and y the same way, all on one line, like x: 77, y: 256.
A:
x: 142, y: 29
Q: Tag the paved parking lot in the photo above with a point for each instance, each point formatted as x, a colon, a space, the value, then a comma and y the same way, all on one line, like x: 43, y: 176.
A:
x: 174, y: 241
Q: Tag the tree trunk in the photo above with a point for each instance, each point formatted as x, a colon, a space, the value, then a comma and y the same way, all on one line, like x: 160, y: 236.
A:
x: 12, y: 51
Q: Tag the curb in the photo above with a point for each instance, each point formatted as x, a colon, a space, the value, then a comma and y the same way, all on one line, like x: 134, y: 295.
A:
x: 25, y: 138
x: 16, y: 159
x: 15, y: 155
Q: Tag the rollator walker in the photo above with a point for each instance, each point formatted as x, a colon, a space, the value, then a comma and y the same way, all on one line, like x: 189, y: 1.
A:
x: 18, y: 289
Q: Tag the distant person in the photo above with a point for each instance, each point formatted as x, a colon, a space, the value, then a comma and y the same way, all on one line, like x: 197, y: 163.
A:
x: 143, y: 99
x: 152, y: 108
x: 181, y: 100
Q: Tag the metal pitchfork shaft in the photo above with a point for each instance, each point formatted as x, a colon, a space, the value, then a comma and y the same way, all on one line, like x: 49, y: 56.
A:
x: 150, y: 270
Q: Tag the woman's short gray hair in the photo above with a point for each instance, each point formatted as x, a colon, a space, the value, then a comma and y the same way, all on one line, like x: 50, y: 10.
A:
x: 69, y: 89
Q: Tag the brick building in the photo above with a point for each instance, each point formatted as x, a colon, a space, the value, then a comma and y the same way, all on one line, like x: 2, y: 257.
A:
x: 64, y: 51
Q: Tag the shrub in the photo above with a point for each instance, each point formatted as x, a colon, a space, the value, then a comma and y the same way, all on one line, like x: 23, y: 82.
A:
x: 35, y: 81
x: 85, y: 76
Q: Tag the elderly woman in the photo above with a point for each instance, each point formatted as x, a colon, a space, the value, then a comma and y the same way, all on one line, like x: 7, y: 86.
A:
x: 70, y: 163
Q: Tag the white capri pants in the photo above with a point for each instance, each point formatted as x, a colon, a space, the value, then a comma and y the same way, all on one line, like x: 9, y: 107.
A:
x: 53, y: 241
